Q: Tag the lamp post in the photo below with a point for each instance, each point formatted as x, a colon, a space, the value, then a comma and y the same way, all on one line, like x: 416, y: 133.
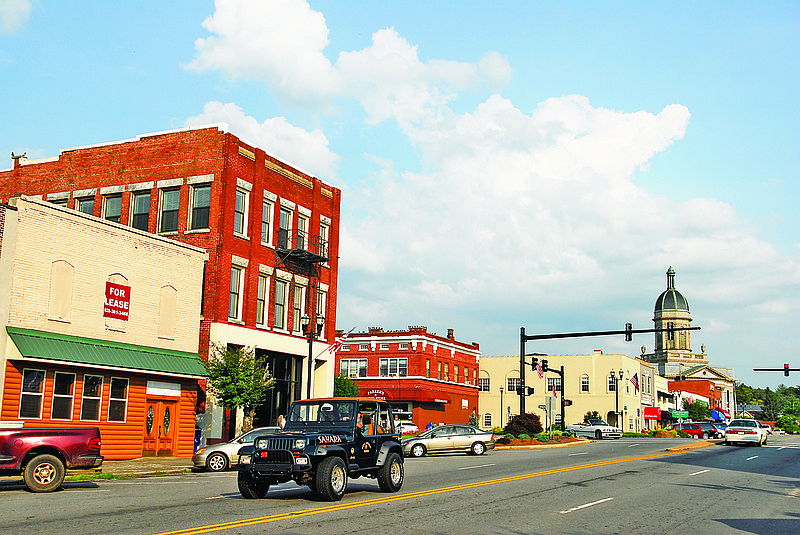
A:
x: 616, y: 391
x: 501, y: 407
x: 311, y: 333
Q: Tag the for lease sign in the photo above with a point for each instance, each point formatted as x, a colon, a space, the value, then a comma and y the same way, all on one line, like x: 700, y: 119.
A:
x: 118, y: 301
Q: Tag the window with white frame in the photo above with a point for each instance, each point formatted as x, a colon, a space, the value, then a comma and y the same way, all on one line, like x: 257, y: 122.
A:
x: 266, y: 222
x: 90, y: 399
x: 168, y: 214
x: 612, y: 384
x: 403, y: 345
x: 483, y: 384
x: 299, y: 305
x: 455, y: 373
x: 487, y: 420
x: 554, y: 382
x: 446, y: 371
x: 85, y: 205
x: 384, y: 347
x: 280, y: 303
x: 30, y: 402
x: 363, y: 347
x: 240, y: 212
x: 428, y: 368
x: 322, y: 302
x: 140, y: 211
x: 200, y: 210
x: 235, y: 292
x: 112, y: 208
x: 118, y: 400
x: 63, y: 396
x: 284, y: 228
x: 393, y: 368
x: 512, y: 383
x: 353, y: 368
x: 584, y: 383
x: 302, y: 232
x: 262, y: 298
x: 324, y: 236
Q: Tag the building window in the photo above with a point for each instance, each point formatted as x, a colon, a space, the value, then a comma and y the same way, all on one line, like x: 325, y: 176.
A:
x: 302, y: 232
x: 345, y: 347
x: 363, y: 347
x: 201, y: 207
x: 512, y: 383
x: 140, y: 215
x: 428, y: 368
x: 280, y: 304
x: 112, y: 210
x: 63, y: 395
x: 118, y: 400
x: 455, y: 373
x: 299, y: 302
x: 403, y: 345
x: 385, y: 347
x: 30, y: 402
x: 483, y: 384
x: 90, y: 403
x: 612, y: 384
x: 240, y: 213
x: 324, y: 236
x: 554, y: 382
x: 585, y: 383
x: 85, y: 205
x: 284, y: 230
x: 266, y: 223
x: 487, y: 420
x: 353, y: 368
x: 235, y: 292
x: 393, y: 367
x: 261, y: 299
x: 446, y: 371
x: 439, y: 370
x: 170, y: 202
x: 322, y: 302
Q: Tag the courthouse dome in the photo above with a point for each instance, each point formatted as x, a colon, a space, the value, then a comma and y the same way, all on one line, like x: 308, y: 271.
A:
x: 671, y: 299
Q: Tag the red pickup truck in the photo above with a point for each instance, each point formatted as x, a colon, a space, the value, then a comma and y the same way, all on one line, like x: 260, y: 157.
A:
x: 42, y: 455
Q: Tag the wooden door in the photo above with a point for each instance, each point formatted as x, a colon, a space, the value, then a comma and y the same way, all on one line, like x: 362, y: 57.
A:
x: 159, y: 428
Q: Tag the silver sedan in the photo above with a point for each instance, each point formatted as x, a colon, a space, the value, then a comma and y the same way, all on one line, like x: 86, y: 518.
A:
x: 744, y: 431
x: 218, y: 457
x: 446, y: 438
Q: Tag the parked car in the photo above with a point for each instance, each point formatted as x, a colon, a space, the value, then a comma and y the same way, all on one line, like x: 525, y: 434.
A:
x: 446, y: 438
x: 406, y: 427
x: 219, y: 457
x: 595, y: 429
x: 745, y: 431
x: 778, y: 431
x: 692, y: 429
x: 710, y: 430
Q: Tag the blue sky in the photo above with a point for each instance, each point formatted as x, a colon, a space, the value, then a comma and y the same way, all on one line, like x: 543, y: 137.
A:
x: 503, y: 164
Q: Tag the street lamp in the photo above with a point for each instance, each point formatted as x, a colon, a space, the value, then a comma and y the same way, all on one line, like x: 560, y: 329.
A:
x: 616, y: 390
x: 305, y: 322
x: 501, y: 407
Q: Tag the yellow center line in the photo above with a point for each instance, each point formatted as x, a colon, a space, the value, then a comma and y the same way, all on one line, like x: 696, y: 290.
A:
x: 396, y: 497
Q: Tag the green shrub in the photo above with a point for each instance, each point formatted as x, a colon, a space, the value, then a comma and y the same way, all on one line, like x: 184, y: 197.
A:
x: 505, y: 439
x: 542, y: 437
x: 683, y: 434
x: 530, y: 424
x: 498, y: 430
x: 524, y: 436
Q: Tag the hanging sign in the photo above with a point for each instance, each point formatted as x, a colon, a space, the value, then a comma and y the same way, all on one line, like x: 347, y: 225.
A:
x: 118, y: 301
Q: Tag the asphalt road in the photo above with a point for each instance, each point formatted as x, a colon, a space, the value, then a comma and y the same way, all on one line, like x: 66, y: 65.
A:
x: 626, y: 486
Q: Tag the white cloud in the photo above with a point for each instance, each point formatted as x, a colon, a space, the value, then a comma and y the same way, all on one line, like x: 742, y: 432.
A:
x: 303, y: 149
x: 13, y: 15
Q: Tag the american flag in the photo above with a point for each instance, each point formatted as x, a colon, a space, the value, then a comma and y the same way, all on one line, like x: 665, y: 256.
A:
x: 635, y: 381
x: 338, y: 343
x: 555, y: 392
x: 539, y: 370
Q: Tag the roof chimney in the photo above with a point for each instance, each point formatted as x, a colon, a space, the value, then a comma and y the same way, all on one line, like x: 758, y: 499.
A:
x: 18, y: 157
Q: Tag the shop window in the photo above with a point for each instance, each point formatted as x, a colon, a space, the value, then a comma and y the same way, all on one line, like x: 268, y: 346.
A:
x: 63, y: 396
x: 118, y: 400
x: 90, y: 402
x: 30, y: 402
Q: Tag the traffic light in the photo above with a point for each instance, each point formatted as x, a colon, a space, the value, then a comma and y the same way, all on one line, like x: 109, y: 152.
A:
x: 567, y: 402
x: 786, y: 370
x: 628, y: 332
x: 534, y: 362
x: 544, y: 365
x: 530, y: 390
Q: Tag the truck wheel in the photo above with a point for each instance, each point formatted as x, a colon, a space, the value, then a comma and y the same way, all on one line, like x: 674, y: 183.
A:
x: 418, y: 450
x: 390, y: 476
x: 478, y: 448
x: 44, y: 473
x: 331, y: 479
x: 598, y: 434
x: 217, y: 462
x: 250, y: 487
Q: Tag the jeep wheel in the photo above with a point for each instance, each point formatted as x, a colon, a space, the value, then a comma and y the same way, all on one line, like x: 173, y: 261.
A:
x: 390, y: 475
x: 217, y: 462
x: 417, y: 450
x: 331, y: 479
x: 479, y: 448
x: 44, y: 473
x: 251, y: 488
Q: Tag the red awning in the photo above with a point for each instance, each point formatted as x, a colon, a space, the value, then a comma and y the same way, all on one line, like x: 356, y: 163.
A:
x: 725, y: 413
x: 405, y: 394
x: 652, y: 413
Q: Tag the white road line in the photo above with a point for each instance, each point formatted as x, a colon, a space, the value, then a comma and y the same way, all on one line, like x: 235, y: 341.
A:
x: 700, y: 472
x: 633, y: 445
x: 586, y: 505
x: 478, y: 466
x: 580, y: 453
x: 751, y: 458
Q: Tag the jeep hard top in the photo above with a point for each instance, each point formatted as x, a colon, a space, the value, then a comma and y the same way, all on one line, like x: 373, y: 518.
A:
x: 325, y: 441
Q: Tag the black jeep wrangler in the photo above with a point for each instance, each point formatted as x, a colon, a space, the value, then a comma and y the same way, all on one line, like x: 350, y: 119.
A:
x: 324, y: 442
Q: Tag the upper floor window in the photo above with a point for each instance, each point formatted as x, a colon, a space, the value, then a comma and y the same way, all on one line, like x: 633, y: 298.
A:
x: 403, y: 345
x: 353, y: 367
x: 487, y: 419
x: 234, y: 304
x: 262, y: 299
x: 321, y: 304
x: 140, y: 212
x: 554, y: 382
x: 167, y: 312
x: 302, y: 232
x: 512, y: 383
x: 299, y: 301
x: 584, y: 383
x: 201, y: 207
x: 85, y: 205
x: 266, y: 222
x: 612, y: 384
x: 240, y: 213
x: 170, y: 202
x: 285, y: 227
x: 393, y: 367
x: 280, y: 303
x: 483, y: 384
x: 61, y: 278
x: 384, y: 347
x: 324, y: 236
x: 428, y: 368
x: 363, y: 347
x: 112, y: 210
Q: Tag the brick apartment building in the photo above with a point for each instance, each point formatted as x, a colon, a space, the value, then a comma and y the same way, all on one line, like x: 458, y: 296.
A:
x: 427, y: 377
x: 270, y: 230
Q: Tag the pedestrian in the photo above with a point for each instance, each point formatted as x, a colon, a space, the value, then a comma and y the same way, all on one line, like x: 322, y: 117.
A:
x: 281, y: 421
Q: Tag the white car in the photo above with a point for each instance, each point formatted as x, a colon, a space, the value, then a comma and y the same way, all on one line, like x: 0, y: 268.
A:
x: 746, y: 431
x: 219, y: 457
x: 406, y: 427
x: 595, y: 429
x: 778, y: 431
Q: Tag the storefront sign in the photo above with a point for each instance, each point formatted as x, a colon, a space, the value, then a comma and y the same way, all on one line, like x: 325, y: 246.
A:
x: 376, y: 393
x: 118, y: 301
x: 652, y: 413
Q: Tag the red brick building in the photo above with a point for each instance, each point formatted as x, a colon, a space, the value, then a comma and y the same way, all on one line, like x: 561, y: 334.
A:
x: 434, y: 378
x: 270, y: 230
x: 705, y: 388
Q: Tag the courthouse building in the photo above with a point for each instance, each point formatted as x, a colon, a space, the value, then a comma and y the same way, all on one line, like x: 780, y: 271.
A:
x: 271, y: 232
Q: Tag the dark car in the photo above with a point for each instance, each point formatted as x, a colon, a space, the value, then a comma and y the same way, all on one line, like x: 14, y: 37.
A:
x: 710, y: 430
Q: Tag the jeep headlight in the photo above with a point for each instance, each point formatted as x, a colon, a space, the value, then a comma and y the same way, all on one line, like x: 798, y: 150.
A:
x: 262, y: 443
x: 300, y: 443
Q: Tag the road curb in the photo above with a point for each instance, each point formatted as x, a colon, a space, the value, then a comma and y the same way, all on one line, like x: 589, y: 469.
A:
x: 535, y: 446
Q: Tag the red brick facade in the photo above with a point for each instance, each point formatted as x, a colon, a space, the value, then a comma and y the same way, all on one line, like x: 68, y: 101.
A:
x: 703, y: 388
x: 433, y: 377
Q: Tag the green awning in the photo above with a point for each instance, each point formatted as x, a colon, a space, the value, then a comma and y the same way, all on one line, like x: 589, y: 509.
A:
x: 75, y: 350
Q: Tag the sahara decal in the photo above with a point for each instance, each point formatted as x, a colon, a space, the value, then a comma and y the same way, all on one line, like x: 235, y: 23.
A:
x: 330, y: 439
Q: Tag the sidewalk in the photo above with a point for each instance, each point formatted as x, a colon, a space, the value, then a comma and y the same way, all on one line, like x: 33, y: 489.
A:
x: 142, y: 466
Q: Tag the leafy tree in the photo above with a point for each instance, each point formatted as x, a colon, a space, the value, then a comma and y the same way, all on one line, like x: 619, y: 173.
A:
x: 529, y: 424
x: 788, y: 424
x: 698, y: 411
x: 772, y: 407
x: 237, y: 378
x: 591, y: 415
x: 343, y: 386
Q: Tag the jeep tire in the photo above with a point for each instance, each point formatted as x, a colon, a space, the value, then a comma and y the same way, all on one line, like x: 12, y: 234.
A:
x: 390, y: 475
x: 330, y: 481
x: 250, y: 487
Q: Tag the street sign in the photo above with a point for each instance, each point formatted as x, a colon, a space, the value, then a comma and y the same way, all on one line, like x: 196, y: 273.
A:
x: 543, y: 407
x: 679, y: 414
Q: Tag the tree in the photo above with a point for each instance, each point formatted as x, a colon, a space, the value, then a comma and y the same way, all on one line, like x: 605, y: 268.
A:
x: 530, y: 424
x: 591, y: 415
x: 343, y: 386
x: 698, y: 411
x: 772, y: 406
x: 237, y: 378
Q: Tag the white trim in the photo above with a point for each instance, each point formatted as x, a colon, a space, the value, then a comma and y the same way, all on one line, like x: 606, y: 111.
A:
x: 141, y: 186
x: 111, y: 190
x: 200, y: 179
x: 170, y: 183
x: 244, y: 184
